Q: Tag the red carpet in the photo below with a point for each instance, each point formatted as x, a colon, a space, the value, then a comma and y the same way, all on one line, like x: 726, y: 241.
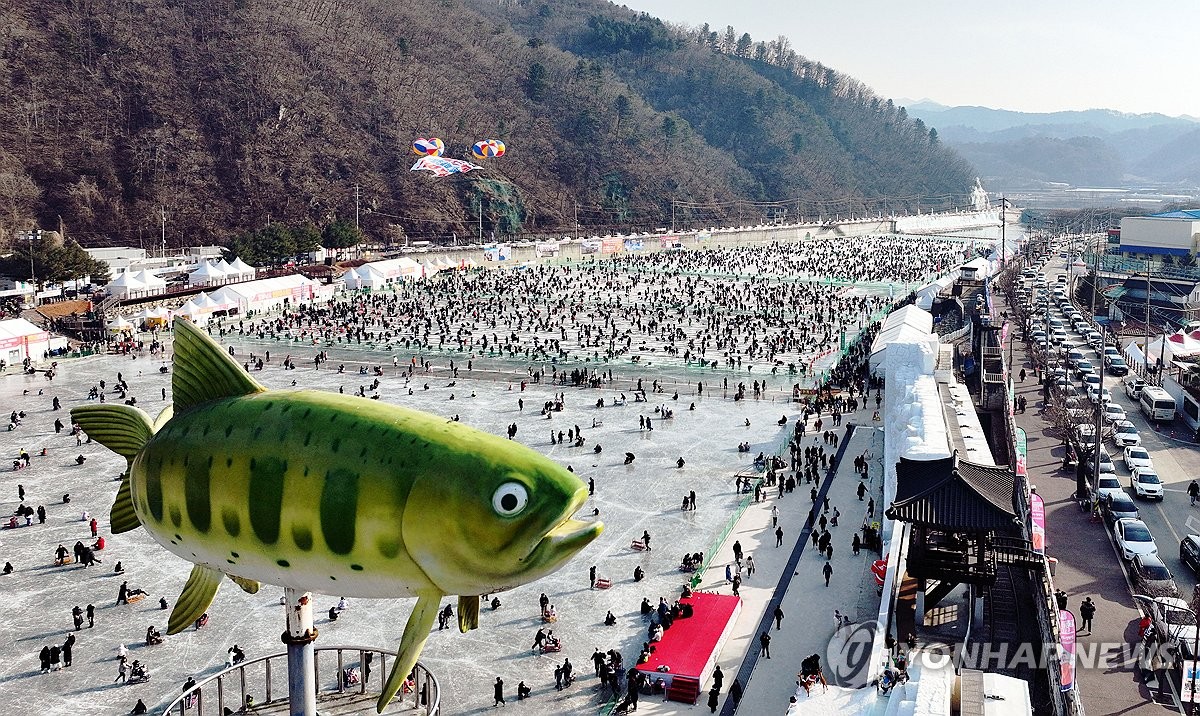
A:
x: 690, y: 647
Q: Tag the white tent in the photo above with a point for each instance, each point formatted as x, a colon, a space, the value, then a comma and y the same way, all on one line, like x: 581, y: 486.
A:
x: 20, y: 339
x: 976, y: 269
x: 120, y: 324
x: 153, y: 283
x: 379, y: 274
x: 907, y: 324
x: 267, y: 294
x: 193, y: 314
x: 1178, y: 345
x: 242, y: 269
x: 227, y: 270
x: 206, y: 275
x: 125, y: 285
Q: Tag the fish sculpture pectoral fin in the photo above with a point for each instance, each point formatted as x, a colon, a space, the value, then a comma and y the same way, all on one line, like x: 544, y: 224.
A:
x: 123, y: 429
x: 249, y: 586
x: 197, y: 595
x: 122, y: 517
x: 468, y: 614
x: 416, y: 632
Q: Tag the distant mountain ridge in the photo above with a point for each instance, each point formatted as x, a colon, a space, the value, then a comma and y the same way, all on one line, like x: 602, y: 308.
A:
x: 1019, y: 150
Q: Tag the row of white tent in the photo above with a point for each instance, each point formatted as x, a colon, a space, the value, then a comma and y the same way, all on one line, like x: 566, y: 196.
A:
x: 140, y: 283
x: 143, y: 283
x: 266, y: 294
x: 219, y: 272
x: 379, y: 274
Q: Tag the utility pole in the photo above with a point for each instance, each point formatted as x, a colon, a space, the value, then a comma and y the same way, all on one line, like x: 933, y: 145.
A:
x: 480, y: 221
x: 576, y: 203
x: 1146, y: 345
x: 356, y: 195
x: 672, y: 216
x: 1003, y: 236
x: 163, y: 211
x: 33, y: 234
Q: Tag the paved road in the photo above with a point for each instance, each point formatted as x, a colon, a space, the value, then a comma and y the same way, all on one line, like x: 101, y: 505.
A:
x: 1089, y: 564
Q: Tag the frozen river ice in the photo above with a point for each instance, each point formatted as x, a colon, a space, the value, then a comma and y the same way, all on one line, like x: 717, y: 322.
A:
x: 630, y: 498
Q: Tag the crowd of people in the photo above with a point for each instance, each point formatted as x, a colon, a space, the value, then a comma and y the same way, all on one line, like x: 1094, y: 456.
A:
x: 623, y: 315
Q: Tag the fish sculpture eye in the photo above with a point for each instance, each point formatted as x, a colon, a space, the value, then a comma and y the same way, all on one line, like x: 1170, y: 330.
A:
x: 510, y: 499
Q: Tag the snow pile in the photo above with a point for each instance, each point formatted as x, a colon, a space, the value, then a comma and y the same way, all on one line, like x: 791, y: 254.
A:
x: 934, y: 223
x: 914, y: 424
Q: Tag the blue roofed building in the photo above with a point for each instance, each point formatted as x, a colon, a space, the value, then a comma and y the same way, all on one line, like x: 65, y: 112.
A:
x: 1172, y: 233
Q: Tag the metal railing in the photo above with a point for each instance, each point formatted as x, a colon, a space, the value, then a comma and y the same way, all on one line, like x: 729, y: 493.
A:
x: 230, y: 687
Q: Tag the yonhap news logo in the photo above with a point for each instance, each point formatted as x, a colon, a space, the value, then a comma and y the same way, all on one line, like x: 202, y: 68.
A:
x: 848, y: 655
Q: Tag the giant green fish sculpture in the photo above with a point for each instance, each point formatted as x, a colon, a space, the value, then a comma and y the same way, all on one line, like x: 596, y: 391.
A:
x: 323, y: 492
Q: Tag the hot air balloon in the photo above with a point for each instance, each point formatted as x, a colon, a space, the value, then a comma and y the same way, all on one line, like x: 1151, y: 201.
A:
x: 432, y: 147
x: 488, y: 148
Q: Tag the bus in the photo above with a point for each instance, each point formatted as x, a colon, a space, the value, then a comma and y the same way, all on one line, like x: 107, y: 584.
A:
x: 1157, y: 404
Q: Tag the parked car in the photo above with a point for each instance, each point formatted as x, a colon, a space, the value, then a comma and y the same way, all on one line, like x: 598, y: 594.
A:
x: 1112, y: 412
x: 1152, y: 576
x: 1119, y: 506
x: 1133, y: 387
x: 1189, y: 552
x: 1146, y: 483
x: 1117, y: 366
x: 1084, y: 368
x: 1137, y: 456
x: 1125, y: 433
x: 1109, y: 485
x: 1133, y: 538
x: 1174, y: 622
x: 1099, y: 395
x: 1085, y: 435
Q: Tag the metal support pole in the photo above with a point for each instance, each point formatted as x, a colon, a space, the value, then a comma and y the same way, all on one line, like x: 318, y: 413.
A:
x: 299, y: 637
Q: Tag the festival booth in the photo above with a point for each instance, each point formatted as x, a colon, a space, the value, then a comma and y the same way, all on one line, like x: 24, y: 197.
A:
x: 154, y: 317
x: 20, y: 339
x: 429, y: 268
x: 193, y: 313
x: 125, y: 285
x: 976, y: 269
x: 930, y: 291
x: 689, y: 649
x: 907, y: 324
x: 121, y: 324
x: 1178, y: 345
x: 381, y: 274
x: 266, y: 294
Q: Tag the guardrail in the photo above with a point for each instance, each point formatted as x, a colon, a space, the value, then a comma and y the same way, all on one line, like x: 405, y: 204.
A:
x: 215, y: 692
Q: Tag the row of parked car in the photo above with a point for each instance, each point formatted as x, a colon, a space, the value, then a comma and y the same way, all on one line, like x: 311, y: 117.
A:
x: 1062, y: 332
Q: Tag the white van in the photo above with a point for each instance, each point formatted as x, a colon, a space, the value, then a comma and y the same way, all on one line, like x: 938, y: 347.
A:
x: 1157, y: 404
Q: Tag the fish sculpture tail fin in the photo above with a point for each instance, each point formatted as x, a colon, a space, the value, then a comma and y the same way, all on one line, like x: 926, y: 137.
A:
x: 125, y: 430
x: 416, y: 631
x: 203, y: 371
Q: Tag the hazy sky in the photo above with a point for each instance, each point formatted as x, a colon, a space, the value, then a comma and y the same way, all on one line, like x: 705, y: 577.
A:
x: 1028, y: 55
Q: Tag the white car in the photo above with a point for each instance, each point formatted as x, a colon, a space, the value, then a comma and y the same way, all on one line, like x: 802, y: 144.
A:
x: 1137, y: 456
x: 1114, y: 413
x: 1101, y: 396
x: 1146, y: 483
x: 1125, y: 433
x: 1133, y: 537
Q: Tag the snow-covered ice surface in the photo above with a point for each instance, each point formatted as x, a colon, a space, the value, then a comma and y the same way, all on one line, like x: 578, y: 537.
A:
x: 643, y: 496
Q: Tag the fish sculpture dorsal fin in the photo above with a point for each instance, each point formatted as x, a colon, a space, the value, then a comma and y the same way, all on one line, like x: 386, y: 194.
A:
x: 203, y: 372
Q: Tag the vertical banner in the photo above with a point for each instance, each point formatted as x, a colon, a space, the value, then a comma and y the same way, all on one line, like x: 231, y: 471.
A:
x: 1037, y: 516
x: 1188, y: 681
x: 1066, y: 648
x: 1022, y: 453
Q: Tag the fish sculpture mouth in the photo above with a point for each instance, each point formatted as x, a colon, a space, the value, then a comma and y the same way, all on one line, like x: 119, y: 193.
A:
x: 564, y: 539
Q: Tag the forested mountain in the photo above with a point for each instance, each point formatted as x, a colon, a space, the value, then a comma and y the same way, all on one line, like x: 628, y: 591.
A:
x: 227, y: 115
